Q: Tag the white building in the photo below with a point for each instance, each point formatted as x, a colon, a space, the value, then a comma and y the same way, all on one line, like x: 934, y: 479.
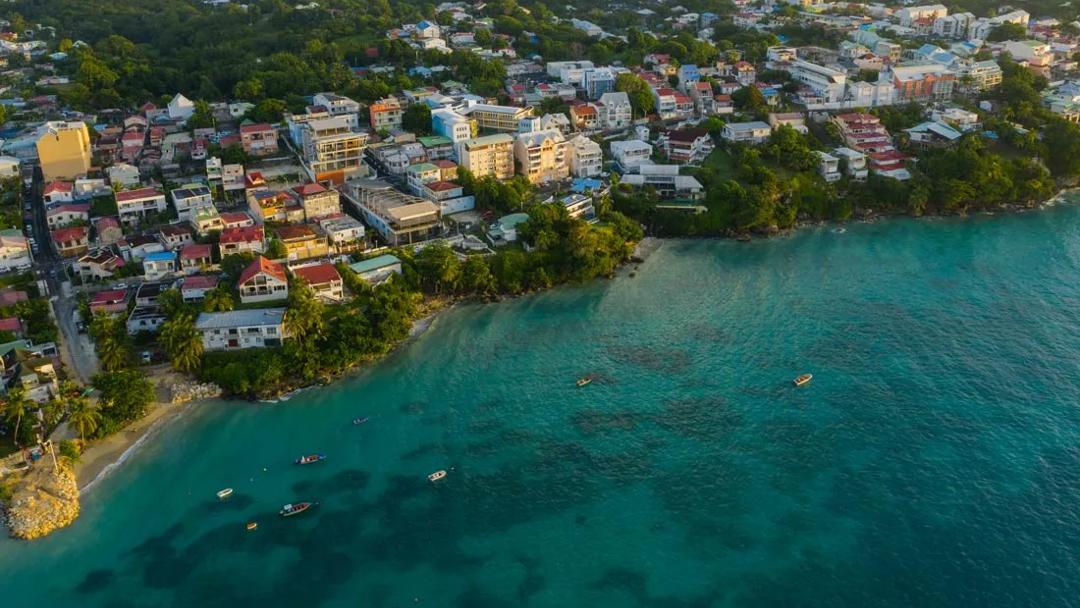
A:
x: 753, y: 132
x: 236, y: 329
x: 631, y: 153
x: 586, y: 157
x: 134, y: 205
x: 909, y: 14
x: 615, y: 111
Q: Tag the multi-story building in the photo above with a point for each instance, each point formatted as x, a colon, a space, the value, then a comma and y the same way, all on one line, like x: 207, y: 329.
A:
x: 753, y: 132
x: 63, y: 149
x: 598, y: 81
x: 258, y: 139
x: 631, y: 153
x: 236, y: 329
x: 339, y: 105
x: 186, y: 199
x: 496, y: 118
x: 302, y: 242
x: 586, y: 157
x: 263, y: 281
x: 688, y: 145
x: 324, y: 280
x: 71, y: 242
x: 14, y: 251
x: 386, y: 114
x: 332, y: 150
x: 953, y: 26
x: 827, y: 83
x: 865, y: 134
x: 667, y: 182
x: 248, y: 239
x: 134, y: 206
x: 317, y: 201
x: 449, y: 196
x: 59, y: 216
x: 543, y: 157
x: 452, y: 125
x: 1032, y: 52
x: 399, y: 218
x: 489, y: 155
x: 981, y: 76
x: 929, y: 82
x: 344, y: 233
x: 980, y: 29
x: 615, y: 111
x: 854, y: 162
x: 910, y: 14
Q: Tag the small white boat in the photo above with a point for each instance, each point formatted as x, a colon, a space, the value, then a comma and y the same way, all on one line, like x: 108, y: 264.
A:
x: 437, y: 475
x: 223, y: 494
x: 252, y: 526
x: 803, y: 379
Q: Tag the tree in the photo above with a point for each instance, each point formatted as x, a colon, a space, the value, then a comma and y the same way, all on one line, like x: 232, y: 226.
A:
x: 83, y: 416
x: 125, y: 396
x: 275, y: 249
x: 750, y: 99
x: 439, y: 267
x: 113, y: 343
x: 16, y: 406
x: 1062, y: 141
x: 202, y: 118
x: 639, y: 92
x: 219, y: 299
x: 305, y: 319
x: 268, y: 110
x: 1007, y: 31
x: 182, y: 342
x: 417, y: 119
x: 476, y: 277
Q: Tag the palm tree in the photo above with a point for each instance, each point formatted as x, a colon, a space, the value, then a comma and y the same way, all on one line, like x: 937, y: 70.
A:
x: 15, y: 407
x: 306, y: 314
x: 84, y: 416
x: 219, y: 299
x: 183, y: 342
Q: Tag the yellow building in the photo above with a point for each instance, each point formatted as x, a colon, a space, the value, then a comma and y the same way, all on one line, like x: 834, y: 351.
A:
x: 491, y: 155
x: 543, y: 156
x: 496, y: 118
x: 64, y: 150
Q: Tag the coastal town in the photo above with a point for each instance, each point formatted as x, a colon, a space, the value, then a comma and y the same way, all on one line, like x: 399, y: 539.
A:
x: 249, y: 237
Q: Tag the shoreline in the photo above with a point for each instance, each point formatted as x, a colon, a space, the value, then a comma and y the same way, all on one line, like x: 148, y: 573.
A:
x: 104, y: 457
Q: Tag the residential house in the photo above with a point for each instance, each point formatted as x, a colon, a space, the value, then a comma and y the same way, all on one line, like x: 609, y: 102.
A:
x: 323, y: 279
x: 344, y: 234
x: 14, y: 251
x: 279, y: 206
x: 1032, y: 52
x: 188, y: 198
x: 828, y: 166
x: 237, y: 329
x: 196, y: 257
x: 109, y: 302
x: 795, y: 120
x: 854, y: 162
x: 63, y: 149
x: 753, y: 132
x: 543, y: 156
x: 933, y: 134
x: 99, y: 265
x: 579, y: 207
x: 614, y: 111
x: 71, y: 242
x: 667, y: 182
x: 453, y: 126
x: 421, y: 173
x: 136, y: 205
x: 108, y: 230
x: 194, y: 288
x: 239, y: 240
x: 159, y: 265
x: 489, y: 155
x: 258, y: 139
x: 59, y: 192
x: 378, y: 269
x: 449, y: 196
x: 302, y: 242
x: 145, y: 319
x: 632, y: 153
x: 586, y: 157
x: 688, y: 145
x: 180, y: 109
x: 585, y: 117
x: 175, y: 236
x: 207, y: 220
x: 386, y: 114
x: 263, y: 281
x: 317, y: 201
x: 60, y: 216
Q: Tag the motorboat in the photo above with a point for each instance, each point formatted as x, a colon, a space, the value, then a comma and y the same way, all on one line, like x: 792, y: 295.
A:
x: 584, y: 381
x: 223, y: 494
x: 437, y: 475
x: 803, y: 379
x: 359, y: 420
x: 295, y: 509
x: 310, y: 458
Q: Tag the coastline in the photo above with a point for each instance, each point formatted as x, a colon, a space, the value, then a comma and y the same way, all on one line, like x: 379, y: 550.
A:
x: 102, y: 458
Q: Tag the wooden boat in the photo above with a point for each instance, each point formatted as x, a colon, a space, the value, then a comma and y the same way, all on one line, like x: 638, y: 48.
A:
x: 252, y: 526
x: 437, y: 475
x: 359, y: 420
x: 803, y: 379
x: 223, y: 494
x: 310, y: 458
x: 584, y: 381
x: 295, y: 509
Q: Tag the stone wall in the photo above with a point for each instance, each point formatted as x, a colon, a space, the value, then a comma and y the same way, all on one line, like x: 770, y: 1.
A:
x: 184, y: 391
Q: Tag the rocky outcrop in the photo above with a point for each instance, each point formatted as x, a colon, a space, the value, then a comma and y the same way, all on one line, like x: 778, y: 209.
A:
x: 184, y: 391
x: 43, y: 500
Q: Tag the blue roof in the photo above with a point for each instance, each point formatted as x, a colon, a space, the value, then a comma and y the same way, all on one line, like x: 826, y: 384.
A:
x: 160, y: 256
x: 585, y: 184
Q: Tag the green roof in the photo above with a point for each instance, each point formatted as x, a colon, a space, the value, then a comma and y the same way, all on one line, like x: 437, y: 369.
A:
x: 431, y: 141
x: 421, y: 167
x: 375, y: 263
x: 10, y: 346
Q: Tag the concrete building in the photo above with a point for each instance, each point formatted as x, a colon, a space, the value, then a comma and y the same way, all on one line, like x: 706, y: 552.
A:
x: 399, y: 218
x: 543, y: 157
x: 317, y: 201
x: 135, y: 205
x: 454, y: 126
x: 258, y: 139
x: 332, y: 151
x: 490, y: 155
x: 753, y: 132
x: 378, y: 269
x: 14, y: 251
x: 263, y: 281
x: 910, y: 14
x: 929, y: 82
x: 386, y: 114
x: 615, y: 111
x: 688, y: 146
x: 1032, y: 52
x: 188, y: 198
x: 496, y: 118
x: 631, y: 153
x: 63, y: 149
x: 586, y: 157
x: 237, y: 329
x: 324, y: 280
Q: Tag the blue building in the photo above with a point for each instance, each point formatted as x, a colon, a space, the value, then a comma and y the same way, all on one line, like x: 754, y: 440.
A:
x: 688, y: 75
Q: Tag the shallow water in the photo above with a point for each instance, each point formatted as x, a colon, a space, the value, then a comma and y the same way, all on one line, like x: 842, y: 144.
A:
x: 933, y: 461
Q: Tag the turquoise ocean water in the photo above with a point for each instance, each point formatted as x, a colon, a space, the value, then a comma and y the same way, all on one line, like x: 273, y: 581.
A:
x: 933, y: 461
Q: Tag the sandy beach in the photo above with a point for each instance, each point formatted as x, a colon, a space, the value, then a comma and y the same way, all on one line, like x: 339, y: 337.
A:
x: 110, y: 452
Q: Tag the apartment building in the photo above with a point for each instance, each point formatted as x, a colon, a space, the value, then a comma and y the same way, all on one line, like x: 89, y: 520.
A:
x: 490, y: 155
x: 332, y: 150
x: 317, y: 201
x: 631, y: 153
x: 614, y: 111
x: 63, y: 149
x: 586, y: 157
x: 258, y: 139
x: 688, y: 145
x: 497, y: 118
x: 922, y: 83
x: 399, y: 218
x: 453, y: 126
x: 543, y: 156
x: 386, y: 114
x: 135, y: 205
x: 237, y: 329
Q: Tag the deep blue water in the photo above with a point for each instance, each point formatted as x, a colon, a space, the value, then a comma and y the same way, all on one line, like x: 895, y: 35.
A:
x: 933, y: 461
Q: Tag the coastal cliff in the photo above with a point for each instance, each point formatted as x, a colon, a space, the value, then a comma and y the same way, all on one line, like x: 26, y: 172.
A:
x: 42, y: 500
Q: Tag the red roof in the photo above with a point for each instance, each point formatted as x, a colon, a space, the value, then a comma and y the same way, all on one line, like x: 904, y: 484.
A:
x: 687, y: 135
x: 65, y: 235
x: 59, y: 186
x: 245, y: 234
x: 294, y: 231
x: 200, y: 281
x: 317, y: 274
x: 195, y: 251
x: 256, y: 128
x: 254, y: 179
x: 106, y: 222
x: 133, y: 195
x: 888, y: 156
x: 441, y: 186
x: 583, y: 110
x: 11, y: 324
x: 665, y: 92
x: 442, y: 163
x: 235, y: 217
x: 70, y: 208
x: 309, y: 189
x: 262, y: 265
x: 109, y: 297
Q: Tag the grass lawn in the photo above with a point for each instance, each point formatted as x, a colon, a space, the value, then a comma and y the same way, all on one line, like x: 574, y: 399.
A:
x: 721, y: 163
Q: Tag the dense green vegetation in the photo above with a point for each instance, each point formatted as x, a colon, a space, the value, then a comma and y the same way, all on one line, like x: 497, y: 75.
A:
x: 327, y: 340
